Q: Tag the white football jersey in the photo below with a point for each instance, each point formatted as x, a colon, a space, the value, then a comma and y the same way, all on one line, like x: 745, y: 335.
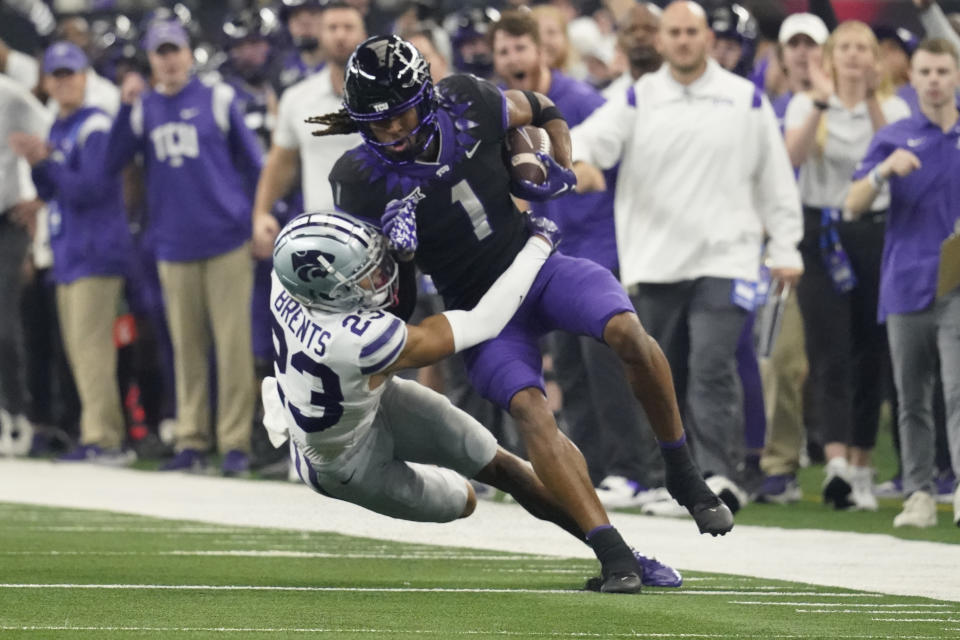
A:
x: 323, y: 363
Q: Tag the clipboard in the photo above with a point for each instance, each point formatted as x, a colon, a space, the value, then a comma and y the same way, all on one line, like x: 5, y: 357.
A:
x: 948, y: 275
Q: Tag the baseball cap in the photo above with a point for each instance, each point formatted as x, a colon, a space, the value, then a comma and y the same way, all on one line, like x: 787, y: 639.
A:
x: 164, y: 32
x: 806, y: 24
x: 64, y: 55
x: 904, y: 38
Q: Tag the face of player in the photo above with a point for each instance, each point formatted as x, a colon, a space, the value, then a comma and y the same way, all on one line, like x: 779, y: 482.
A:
x: 439, y: 69
x: 637, y: 36
x: 684, y: 38
x: 517, y: 60
x: 397, y: 132
x: 553, y: 41
x: 341, y: 31
x: 171, y: 65
x: 935, y: 77
x: 726, y: 52
x: 67, y: 87
x: 797, y: 53
x: 250, y: 54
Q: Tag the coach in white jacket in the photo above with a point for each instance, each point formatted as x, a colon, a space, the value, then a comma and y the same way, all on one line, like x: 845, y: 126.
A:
x: 704, y: 175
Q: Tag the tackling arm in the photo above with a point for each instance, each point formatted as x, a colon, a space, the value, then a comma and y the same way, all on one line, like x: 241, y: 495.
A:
x: 442, y: 335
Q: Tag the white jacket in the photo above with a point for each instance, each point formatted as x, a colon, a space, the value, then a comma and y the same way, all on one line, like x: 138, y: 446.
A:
x: 704, y: 171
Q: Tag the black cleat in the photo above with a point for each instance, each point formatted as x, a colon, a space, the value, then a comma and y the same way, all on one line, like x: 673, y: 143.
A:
x: 618, y: 582
x: 713, y: 517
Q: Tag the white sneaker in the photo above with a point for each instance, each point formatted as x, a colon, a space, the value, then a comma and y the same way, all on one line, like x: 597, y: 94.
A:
x: 919, y: 510
x: 669, y: 508
x: 6, y: 425
x: 956, y: 506
x: 861, y: 480
x: 615, y: 492
x: 728, y: 491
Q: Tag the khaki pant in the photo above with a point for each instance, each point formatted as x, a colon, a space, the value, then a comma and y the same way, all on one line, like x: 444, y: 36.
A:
x: 87, y: 308
x: 783, y: 377
x: 204, y: 297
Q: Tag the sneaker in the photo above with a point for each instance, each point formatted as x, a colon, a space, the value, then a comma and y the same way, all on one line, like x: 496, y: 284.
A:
x: 617, y: 491
x: 189, y: 460
x: 81, y: 453
x: 116, y: 457
x: 836, y: 484
x: 919, y: 510
x: 861, y: 483
x: 21, y: 435
x: 236, y: 464
x: 656, y: 574
x: 892, y: 488
x: 780, y: 489
x: 668, y: 508
x: 944, y: 484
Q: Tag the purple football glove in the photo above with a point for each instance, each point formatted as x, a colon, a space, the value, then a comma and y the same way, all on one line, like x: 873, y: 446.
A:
x: 558, y: 182
x: 399, y: 223
x: 545, y: 227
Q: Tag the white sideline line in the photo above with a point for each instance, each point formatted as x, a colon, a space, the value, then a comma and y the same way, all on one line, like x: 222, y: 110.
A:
x: 447, y: 632
x: 830, y: 604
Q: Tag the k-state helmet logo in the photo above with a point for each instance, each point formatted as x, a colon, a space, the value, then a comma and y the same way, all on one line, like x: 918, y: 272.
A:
x: 308, y: 266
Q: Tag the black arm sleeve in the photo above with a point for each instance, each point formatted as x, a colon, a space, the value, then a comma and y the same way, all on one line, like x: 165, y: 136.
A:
x: 824, y: 10
x: 407, y: 295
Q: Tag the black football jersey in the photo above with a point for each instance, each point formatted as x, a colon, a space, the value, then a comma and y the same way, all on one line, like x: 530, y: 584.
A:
x: 468, y: 227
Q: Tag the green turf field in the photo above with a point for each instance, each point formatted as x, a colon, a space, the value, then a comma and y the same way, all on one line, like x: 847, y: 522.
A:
x: 91, y: 574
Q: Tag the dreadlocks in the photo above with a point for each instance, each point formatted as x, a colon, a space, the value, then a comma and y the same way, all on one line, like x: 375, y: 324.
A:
x: 337, y: 123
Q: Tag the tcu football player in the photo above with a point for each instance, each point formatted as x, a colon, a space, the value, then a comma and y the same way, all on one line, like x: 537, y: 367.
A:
x: 360, y: 434
x: 431, y: 171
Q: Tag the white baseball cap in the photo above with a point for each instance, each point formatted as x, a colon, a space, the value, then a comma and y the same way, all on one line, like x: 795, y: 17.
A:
x: 805, y: 23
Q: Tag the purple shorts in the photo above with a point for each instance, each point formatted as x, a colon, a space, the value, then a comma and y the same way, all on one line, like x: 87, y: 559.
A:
x: 571, y: 294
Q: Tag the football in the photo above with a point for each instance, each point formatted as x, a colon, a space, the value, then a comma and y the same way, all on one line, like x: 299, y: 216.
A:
x: 519, y: 150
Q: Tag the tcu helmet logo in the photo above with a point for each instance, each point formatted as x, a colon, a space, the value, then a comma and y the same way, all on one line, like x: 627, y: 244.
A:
x: 174, y: 141
x: 311, y: 264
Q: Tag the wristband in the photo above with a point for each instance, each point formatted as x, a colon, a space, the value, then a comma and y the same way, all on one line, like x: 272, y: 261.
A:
x: 548, y: 114
x: 876, y: 179
x: 822, y: 105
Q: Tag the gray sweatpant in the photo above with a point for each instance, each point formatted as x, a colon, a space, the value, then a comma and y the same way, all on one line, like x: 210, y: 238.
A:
x: 916, y: 341
x: 697, y: 325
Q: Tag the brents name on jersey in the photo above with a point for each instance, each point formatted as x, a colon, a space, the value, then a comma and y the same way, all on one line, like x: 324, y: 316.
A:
x: 310, y: 334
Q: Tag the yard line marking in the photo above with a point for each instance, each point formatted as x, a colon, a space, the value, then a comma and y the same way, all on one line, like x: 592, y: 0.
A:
x: 714, y: 592
x: 277, y: 553
x: 834, y: 604
x: 228, y: 587
x: 446, y: 632
x: 915, y: 619
x: 877, y: 611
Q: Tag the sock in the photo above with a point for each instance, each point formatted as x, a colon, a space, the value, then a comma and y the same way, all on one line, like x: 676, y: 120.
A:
x: 612, y: 552
x: 683, y: 479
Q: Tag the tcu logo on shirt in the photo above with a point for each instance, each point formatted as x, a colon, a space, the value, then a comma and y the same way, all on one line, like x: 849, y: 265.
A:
x: 174, y: 140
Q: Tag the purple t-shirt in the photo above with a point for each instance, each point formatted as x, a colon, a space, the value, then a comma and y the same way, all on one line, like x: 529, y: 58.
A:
x: 923, y: 210
x: 89, y: 234
x: 585, y: 219
x: 202, y: 165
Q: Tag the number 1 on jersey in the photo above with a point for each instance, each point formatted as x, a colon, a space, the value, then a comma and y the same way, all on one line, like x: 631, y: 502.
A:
x: 462, y: 194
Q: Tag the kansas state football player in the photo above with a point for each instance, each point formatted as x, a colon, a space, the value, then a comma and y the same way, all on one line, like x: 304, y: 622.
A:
x: 431, y: 169
x: 360, y: 434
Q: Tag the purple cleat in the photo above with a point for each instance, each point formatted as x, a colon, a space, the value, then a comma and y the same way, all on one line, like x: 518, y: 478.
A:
x: 657, y: 574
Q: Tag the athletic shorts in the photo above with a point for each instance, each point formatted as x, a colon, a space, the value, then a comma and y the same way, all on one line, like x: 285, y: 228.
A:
x: 414, y: 461
x: 572, y: 294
